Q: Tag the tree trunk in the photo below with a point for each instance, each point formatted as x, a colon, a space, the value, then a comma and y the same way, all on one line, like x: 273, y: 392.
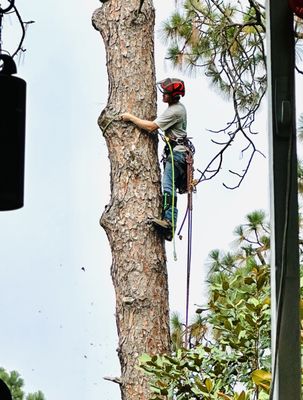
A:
x: 138, y: 255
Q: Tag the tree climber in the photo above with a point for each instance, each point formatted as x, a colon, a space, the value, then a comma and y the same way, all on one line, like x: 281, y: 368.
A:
x: 173, y: 123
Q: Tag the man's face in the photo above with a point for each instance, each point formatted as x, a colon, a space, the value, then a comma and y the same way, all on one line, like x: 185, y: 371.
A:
x: 166, y: 98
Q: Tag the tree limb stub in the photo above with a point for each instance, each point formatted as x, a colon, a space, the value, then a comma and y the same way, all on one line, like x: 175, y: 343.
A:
x: 114, y: 379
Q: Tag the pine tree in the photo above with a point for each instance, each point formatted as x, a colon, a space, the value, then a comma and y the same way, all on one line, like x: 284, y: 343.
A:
x: 138, y: 255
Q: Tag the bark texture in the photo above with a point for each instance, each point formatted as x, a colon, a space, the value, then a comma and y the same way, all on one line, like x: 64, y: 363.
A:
x: 138, y: 255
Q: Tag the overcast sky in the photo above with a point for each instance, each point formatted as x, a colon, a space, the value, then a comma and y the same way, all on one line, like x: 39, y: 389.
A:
x: 57, y: 301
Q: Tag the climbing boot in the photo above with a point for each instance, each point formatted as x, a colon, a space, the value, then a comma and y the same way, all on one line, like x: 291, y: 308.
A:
x: 165, y: 227
x: 162, y: 223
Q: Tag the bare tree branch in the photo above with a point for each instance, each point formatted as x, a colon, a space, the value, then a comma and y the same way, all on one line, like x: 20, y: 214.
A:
x: 12, y: 9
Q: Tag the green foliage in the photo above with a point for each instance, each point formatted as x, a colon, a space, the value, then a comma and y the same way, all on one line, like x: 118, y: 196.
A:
x: 300, y: 127
x: 182, y: 376
x: 224, y: 40
x: 177, y: 331
x: 16, y: 383
x: 262, y: 379
x: 230, y: 339
x: 36, y: 396
x: 240, y: 315
x: 300, y: 177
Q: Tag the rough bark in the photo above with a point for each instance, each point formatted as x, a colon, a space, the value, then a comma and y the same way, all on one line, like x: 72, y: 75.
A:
x: 138, y: 256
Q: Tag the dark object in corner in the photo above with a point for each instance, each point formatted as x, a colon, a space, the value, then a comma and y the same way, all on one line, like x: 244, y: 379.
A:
x: 12, y: 135
x: 5, y: 393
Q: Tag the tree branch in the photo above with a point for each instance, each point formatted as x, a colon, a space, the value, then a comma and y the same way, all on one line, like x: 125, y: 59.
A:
x: 114, y: 379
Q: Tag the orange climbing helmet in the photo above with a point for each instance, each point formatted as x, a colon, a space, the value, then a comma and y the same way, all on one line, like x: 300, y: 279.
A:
x: 172, y: 86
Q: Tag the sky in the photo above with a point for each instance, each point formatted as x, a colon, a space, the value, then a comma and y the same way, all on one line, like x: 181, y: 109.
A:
x: 57, y: 301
